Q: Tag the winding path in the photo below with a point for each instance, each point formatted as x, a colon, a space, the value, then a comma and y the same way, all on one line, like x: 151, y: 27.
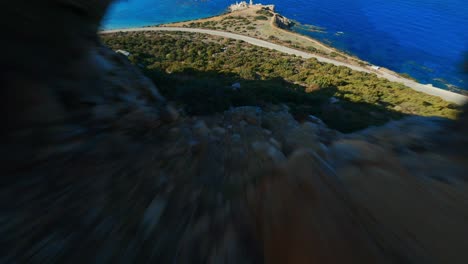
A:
x: 428, y: 89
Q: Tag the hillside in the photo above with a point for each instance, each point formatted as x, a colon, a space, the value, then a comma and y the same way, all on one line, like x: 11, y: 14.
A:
x: 198, y: 71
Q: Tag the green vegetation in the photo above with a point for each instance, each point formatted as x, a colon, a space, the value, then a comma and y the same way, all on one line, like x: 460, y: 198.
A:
x: 197, y: 71
x: 264, y: 12
x: 261, y: 18
x: 271, y: 37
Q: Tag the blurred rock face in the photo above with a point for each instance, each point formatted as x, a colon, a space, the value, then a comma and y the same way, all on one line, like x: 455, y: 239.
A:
x: 97, y: 167
x: 45, y: 41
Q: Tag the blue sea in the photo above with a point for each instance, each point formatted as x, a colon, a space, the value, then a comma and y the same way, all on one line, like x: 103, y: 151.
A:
x: 427, y: 39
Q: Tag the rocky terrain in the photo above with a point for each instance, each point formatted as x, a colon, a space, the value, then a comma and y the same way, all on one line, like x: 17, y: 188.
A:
x: 99, y: 168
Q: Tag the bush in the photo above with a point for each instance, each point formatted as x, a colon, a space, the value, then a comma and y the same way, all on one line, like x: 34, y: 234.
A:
x: 261, y: 18
x: 264, y: 12
x: 271, y: 37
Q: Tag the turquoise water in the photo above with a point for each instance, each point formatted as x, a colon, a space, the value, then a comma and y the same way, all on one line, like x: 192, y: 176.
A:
x: 424, y: 38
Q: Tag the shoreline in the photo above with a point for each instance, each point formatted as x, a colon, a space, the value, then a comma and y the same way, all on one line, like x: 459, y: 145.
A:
x: 363, y: 66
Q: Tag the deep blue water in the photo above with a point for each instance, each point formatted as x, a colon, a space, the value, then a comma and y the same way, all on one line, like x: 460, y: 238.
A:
x: 424, y: 38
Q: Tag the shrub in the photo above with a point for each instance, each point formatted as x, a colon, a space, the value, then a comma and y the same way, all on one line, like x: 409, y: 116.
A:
x: 271, y: 37
x: 264, y: 12
x: 261, y: 18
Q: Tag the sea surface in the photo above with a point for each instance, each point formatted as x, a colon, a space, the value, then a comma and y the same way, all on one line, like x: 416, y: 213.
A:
x: 427, y: 39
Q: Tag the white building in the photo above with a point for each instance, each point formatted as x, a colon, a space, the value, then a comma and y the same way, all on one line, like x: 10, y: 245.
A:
x: 242, y: 5
x: 239, y: 6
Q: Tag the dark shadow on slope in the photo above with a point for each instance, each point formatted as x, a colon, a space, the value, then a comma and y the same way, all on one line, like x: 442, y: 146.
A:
x: 205, y: 93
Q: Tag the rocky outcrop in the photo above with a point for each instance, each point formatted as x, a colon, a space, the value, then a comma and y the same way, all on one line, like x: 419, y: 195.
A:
x: 98, y: 167
x: 282, y: 22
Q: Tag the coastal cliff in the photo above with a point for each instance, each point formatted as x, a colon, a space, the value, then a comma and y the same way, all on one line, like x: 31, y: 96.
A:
x: 98, y: 166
